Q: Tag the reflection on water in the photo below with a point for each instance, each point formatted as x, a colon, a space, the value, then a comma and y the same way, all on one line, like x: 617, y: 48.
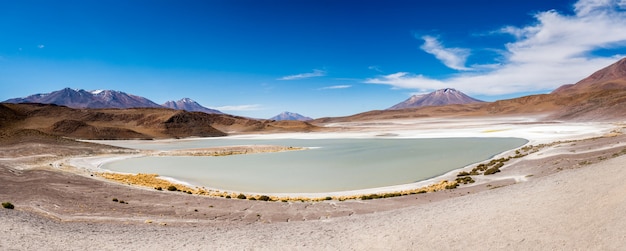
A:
x: 330, y: 165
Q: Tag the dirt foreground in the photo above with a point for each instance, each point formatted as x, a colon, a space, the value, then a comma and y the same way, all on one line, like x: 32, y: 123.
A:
x: 569, y: 194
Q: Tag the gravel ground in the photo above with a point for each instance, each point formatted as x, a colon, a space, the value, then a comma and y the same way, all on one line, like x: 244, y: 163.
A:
x: 566, y: 196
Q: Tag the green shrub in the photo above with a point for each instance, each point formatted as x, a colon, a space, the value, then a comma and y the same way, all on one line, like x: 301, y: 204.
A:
x: 370, y: 197
x: 172, y: 188
x: 465, y: 180
x: 114, y: 199
x: 7, y: 205
x: 452, y: 186
x: 461, y: 174
x: 264, y: 198
x: 328, y: 198
x: 241, y: 196
x: 492, y: 170
x: 159, y: 188
x: 251, y: 198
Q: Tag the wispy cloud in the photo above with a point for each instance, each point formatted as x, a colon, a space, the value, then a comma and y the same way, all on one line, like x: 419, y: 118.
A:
x: 41, y: 46
x: 374, y: 68
x: 335, y: 87
x: 454, y: 58
x: 315, y: 73
x: 557, y: 49
x: 254, y: 107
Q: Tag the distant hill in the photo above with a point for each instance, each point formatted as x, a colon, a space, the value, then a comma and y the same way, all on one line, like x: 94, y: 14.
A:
x: 79, y: 98
x: 599, y: 97
x: 187, y: 104
x: 612, y: 77
x: 132, y: 123
x: 441, y: 97
x: 290, y: 116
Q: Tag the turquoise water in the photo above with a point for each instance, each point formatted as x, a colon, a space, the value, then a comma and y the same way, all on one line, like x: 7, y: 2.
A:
x: 331, y: 165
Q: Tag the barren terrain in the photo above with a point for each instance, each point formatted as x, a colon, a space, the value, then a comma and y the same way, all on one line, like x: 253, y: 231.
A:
x: 565, y: 190
x: 558, y: 185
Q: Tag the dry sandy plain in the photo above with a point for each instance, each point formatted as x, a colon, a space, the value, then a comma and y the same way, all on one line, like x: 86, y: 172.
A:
x: 570, y: 194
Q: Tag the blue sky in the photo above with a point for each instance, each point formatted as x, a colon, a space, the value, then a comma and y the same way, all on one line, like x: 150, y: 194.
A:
x: 317, y: 58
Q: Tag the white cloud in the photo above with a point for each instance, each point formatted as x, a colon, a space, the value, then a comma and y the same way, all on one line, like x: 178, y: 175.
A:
x: 41, y: 46
x: 585, y: 7
x: 556, y: 50
x: 335, y: 87
x: 254, y: 107
x: 451, y: 57
x: 376, y: 68
x: 315, y: 73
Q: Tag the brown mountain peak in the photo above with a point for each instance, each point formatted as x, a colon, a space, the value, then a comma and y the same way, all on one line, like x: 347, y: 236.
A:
x: 446, y: 96
x: 608, y: 78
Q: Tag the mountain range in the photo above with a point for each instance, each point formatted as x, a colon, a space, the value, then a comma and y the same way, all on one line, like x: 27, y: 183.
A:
x: 447, y: 96
x: 599, y: 97
x: 79, y: 98
x: 290, y: 116
x: 87, y: 99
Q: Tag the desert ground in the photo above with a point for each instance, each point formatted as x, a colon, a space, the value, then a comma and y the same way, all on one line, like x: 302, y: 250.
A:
x: 568, y: 194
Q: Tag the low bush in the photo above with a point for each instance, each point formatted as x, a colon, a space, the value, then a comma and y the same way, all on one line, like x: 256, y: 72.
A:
x: 264, y: 198
x: 492, y: 170
x: 8, y: 205
x: 452, y: 185
x: 370, y: 197
x: 172, y: 188
x: 241, y: 196
x: 461, y: 174
x: 114, y: 199
x: 465, y: 180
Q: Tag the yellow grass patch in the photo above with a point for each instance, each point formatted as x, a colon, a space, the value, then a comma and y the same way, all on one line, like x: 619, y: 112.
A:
x: 153, y: 180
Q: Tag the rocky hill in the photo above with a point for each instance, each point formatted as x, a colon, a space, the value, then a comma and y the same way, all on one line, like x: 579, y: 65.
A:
x: 290, y: 116
x: 133, y: 123
x: 187, y: 104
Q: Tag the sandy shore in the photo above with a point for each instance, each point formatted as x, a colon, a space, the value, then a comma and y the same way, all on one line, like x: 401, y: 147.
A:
x: 567, y: 195
x: 579, y: 209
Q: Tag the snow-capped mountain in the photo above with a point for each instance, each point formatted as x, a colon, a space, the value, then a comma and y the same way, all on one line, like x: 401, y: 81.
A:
x: 447, y: 96
x: 290, y: 116
x: 190, y: 105
x: 79, y: 98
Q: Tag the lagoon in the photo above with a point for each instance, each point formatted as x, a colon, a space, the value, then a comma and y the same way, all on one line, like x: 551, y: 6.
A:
x: 328, y: 165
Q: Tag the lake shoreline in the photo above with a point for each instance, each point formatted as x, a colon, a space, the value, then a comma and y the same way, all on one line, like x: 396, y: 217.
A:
x: 316, y: 161
x: 535, y: 133
x: 581, y: 169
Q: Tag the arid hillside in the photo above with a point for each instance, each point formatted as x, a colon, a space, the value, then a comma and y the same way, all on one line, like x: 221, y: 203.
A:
x: 599, y: 97
x: 134, y: 123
